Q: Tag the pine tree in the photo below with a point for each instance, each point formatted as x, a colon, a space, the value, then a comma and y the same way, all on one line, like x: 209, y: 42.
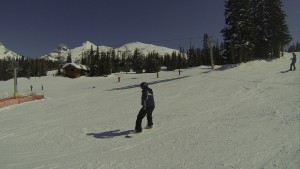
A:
x: 115, y: 60
x: 107, y: 65
x: 277, y: 27
x: 96, y: 61
x: 101, y: 64
x: 218, y: 59
x: 69, y: 58
x: 192, y: 57
x: 26, y: 69
x: 6, y: 70
x: 182, y: 60
x: 93, y: 62
x: 261, y: 37
x: 174, y: 61
x: 42, y: 71
x: 167, y: 61
x: 239, y: 31
x: 84, y: 59
x: 152, y: 64
x: 137, y: 61
x: 205, y: 54
x: 125, y: 63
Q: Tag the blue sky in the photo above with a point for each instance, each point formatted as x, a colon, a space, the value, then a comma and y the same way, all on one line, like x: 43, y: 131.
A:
x: 36, y: 27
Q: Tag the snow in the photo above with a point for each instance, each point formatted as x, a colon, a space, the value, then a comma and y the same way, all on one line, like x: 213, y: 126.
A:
x: 78, y: 66
x: 6, y: 53
x: 238, y: 116
x: 146, y: 48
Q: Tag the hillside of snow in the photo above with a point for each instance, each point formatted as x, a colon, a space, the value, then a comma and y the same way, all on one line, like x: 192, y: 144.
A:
x: 238, y: 116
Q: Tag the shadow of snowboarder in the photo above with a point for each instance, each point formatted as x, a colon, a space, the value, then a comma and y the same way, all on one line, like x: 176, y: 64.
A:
x: 110, y: 134
x: 285, y: 71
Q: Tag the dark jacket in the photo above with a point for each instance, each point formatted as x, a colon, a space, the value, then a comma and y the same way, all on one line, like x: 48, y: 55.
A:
x: 147, y: 98
x: 294, y: 59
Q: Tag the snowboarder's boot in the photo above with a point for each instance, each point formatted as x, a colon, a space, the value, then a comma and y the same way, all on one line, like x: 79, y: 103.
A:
x: 138, y: 131
x: 149, y: 127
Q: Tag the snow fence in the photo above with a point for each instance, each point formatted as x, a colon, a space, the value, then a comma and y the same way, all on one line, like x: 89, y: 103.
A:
x: 20, y: 99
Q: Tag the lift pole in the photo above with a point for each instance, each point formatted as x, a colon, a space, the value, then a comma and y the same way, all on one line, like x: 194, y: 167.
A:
x: 15, y: 67
x: 211, y: 41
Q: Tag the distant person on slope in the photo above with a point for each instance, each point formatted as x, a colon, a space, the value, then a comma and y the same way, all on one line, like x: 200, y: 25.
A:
x: 147, y: 109
x: 293, y: 62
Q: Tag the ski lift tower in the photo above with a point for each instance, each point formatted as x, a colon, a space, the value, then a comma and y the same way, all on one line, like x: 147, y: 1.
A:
x: 211, y: 42
x: 15, y: 68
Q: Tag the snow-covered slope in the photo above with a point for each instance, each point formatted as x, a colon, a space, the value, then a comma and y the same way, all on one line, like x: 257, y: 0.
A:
x: 246, y: 117
x: 6, y: 53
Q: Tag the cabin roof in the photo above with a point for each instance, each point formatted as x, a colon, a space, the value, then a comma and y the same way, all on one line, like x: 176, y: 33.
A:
x: 78, y: 66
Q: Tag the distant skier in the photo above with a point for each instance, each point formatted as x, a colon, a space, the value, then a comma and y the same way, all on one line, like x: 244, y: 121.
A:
x: 293, y: 62
x: 147, y: 109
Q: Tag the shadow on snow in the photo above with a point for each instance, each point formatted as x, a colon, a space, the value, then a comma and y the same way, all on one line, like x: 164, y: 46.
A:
x: 220, y: 68
x: 110, y: 134
x: 151, y: 83
x: 285, y: 71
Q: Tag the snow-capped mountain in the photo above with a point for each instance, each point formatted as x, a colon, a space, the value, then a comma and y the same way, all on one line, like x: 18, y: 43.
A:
x: 6, y: 53
x: 145, y: 48
x: 77, y: 52
x: 63, y: 51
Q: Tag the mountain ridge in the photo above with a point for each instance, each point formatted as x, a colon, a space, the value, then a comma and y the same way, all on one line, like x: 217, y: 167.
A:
x: 76, y: 53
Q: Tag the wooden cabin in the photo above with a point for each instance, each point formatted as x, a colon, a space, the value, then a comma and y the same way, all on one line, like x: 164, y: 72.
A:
x: 73, y: 70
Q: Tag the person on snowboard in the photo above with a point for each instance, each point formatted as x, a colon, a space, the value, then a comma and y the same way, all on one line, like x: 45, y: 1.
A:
x: 147, y: 109
x: 293, y: 62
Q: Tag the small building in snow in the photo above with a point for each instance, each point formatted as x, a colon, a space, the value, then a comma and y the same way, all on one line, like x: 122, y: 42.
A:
x: 73, y: 70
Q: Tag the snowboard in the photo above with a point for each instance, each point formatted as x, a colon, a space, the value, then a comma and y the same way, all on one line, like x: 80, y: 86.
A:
x: 130, y: 135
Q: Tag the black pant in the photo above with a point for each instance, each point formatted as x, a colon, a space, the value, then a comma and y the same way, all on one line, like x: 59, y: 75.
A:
x: 292, y: 65
x: 143, y: 112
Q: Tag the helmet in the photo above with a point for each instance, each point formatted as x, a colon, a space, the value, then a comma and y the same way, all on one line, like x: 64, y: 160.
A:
x: 143, y: 84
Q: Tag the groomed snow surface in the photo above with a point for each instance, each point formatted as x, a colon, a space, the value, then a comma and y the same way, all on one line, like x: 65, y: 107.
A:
x: 240, y: 116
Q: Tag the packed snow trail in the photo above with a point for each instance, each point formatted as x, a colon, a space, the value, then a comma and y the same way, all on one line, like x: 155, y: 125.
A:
x: 242, y: 117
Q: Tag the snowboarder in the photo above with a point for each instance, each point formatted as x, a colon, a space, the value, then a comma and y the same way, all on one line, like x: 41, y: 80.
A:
x: 293, y: 62
x: 147, y: 109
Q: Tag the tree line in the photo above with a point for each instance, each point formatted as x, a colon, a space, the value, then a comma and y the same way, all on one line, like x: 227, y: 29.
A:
x: 26, y: 67
x: 105, y: 63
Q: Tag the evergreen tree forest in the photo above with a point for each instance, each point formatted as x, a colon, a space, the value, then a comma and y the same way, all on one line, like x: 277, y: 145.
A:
x: 26, y: 67
x: 105, y: 63
x: 254, y: 29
